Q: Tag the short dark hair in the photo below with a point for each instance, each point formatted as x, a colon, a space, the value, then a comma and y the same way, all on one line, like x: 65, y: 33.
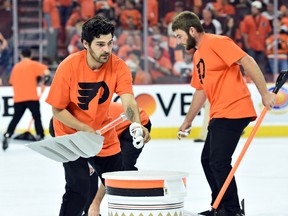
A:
x: 26, y: 52
x: 96, y: 26
x: 185, y: 20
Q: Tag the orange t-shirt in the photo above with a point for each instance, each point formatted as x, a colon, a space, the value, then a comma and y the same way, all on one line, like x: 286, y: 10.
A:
x: 130, y: 17
x: 24, y: 80
x: 87, y: 94
x: 87, y: 8
x: 223, y: 83
x: 50, y: 7
x: 257, y: 29
x: 116, y: 109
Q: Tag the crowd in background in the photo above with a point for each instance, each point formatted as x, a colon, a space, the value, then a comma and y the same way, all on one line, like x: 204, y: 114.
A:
x: 249, y: 23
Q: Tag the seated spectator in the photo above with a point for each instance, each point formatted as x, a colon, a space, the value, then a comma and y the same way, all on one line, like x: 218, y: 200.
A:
x: 152, y: 12
x: 156, y: 40
x: 87, y: 9
x: 75, y: 43
x: 242, y: 8
x: 127, y: 47
x: 184, y: 68
x: 73, y: 19
x: 284, y: 15
x: 222, y: 8
x: 105, y: 7
x: 209, y: 23
x: 140, y: 77
x: 65, y: 8
x: 178, y: 7
x: 232, y: 30
x: 52, y: 27
x: 130, y: 18
x: 282, y: 50
x: 160, y: 66
x: 269, y: 13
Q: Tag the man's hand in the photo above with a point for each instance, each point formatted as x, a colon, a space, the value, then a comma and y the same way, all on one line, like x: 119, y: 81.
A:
x: 94, y: 209
x: 269, y: 100
x: 184, y: 131
x: 136, y: 131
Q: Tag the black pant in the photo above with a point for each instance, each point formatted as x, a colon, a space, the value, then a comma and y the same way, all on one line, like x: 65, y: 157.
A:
x: 129, y: 153
x: 222, y: 139
x: 129, y: 158
x: 19, y: 109
x: 79, y: 185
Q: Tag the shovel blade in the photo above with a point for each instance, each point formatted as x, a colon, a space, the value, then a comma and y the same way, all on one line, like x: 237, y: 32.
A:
x: 69, y: 147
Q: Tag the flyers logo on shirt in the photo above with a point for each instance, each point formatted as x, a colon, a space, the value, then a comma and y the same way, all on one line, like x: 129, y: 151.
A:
x: 201, y: 66
x: 89, y: 90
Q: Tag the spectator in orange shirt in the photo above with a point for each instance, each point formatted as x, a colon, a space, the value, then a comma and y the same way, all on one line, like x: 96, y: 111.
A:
x: 160, y: 66
x: 140, y: 77
x: 75, y: 43
x: 152, y: 12
x: 23, y: 79
x: 222, y: 8
x: 127, y: 47
x: 65, y: 8
x: 282, y: 49
x: 87, y: 9
x: 52, y: 27
x: 80, y: 96
x: 284, y: 15
x: 178, y: 7
x: 130, y: 18
x: 74, y: 18
x: 255, y: 29
x: 216, y: 77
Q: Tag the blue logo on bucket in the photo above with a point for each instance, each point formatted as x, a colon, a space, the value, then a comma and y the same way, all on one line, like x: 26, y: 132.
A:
x: 282, y: 99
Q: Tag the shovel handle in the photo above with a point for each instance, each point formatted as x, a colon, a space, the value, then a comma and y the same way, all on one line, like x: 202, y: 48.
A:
x: 112, y: 124
x: 282, y: 78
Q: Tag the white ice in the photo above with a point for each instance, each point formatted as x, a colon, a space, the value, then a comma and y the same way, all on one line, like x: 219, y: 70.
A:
x: 33, y: 185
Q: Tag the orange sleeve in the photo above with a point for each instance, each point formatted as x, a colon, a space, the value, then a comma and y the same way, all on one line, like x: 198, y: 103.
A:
x: 124, y: 79
x: 223, y: 48
x: 56, y: 98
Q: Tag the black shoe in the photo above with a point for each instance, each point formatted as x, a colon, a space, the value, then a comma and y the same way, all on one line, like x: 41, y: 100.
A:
x: 199, y: 140
x: 242, y: 211
x: 220, y: 212
x: 5, y: 142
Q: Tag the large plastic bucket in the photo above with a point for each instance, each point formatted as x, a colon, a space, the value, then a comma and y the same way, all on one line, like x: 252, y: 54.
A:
x: 145, y: 193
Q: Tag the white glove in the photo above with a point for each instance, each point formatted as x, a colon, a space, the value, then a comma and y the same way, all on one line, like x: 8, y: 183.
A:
x: 183, y: 134
x: 136, y: 132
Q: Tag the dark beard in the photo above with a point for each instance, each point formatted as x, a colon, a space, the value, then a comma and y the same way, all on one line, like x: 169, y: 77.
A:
x: 191, y: 43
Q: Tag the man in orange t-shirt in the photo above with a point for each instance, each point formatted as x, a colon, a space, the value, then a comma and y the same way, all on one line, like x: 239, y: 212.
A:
x: 80, y: 96
x: 23, y: 79
x: 217, y: 77
x: 129, y: 153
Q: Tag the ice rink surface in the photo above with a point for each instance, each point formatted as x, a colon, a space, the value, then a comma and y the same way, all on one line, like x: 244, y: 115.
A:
x: 33, y: 185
